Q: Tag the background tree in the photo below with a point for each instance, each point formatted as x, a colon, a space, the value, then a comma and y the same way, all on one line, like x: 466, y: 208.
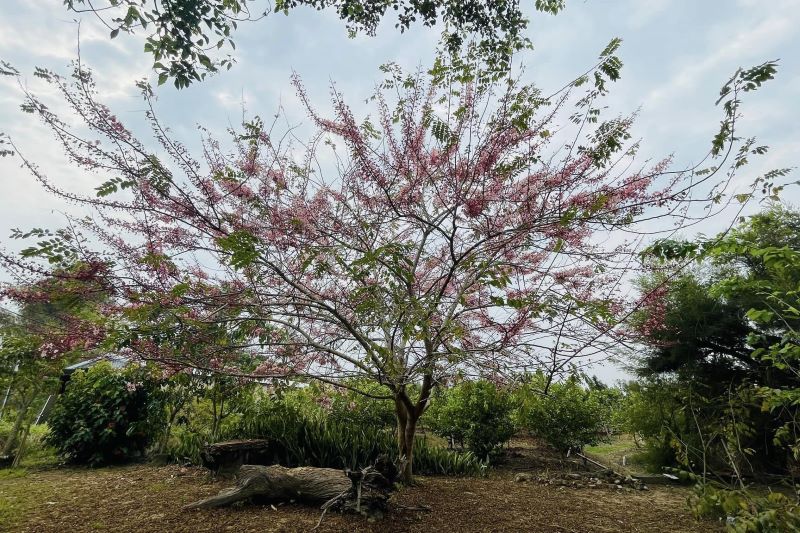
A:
x: 53, y: 324
x: 700, y: 335
x: 721, y: 337
x: 764, y: 255
x: 703, y: 316
x: 25, y: 377
x: 565, y: 414
x: 750, y: 427
x: 475, y: 413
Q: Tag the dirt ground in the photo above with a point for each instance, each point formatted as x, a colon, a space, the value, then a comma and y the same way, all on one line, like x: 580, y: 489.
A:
x: 149, y: 499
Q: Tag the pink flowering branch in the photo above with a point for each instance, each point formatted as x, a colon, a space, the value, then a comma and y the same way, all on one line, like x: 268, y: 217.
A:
x: 456, y: 235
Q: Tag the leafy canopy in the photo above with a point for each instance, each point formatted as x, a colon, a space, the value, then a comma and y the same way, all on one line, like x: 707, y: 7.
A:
x: 184, y: 35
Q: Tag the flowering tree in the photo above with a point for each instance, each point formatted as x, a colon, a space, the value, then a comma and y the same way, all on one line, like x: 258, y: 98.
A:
x: 464, y: 231
x: 52, y: 324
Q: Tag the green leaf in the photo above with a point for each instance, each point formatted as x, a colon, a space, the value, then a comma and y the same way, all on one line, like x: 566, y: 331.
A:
x: 241, y: 247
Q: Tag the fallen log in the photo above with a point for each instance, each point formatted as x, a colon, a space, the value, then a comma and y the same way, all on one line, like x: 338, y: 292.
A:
x: 363, y: 491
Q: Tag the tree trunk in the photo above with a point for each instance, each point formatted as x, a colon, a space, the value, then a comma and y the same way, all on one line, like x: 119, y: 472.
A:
x: 407, y: 470
x: 21, y: 448
x: 365, y: 491
x: 315, y: 485
x: 162, y: 447
x: 21, y: 415
x: 406, y: 429
x: 224, y: 458
x: 5, y: 399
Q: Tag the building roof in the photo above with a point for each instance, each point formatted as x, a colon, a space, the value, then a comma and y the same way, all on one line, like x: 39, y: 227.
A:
x: 117, y: 361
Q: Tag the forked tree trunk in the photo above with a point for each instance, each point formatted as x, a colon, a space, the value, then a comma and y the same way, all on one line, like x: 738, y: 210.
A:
x: 21, y: 447
x: 406, y: 429
x: 173, y: 414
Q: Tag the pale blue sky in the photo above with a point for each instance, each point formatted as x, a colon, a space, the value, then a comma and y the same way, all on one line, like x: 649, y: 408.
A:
x: 677, y: 53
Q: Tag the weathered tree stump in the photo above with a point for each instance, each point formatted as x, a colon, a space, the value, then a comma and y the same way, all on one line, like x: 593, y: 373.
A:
x: 226, y: 457
x: 363, y: 491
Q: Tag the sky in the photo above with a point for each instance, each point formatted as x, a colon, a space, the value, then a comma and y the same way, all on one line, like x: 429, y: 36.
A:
x: 676, y: 55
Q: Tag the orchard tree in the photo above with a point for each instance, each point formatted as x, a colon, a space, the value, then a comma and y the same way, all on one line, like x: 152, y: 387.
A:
x: 462, y: 228
x: 183, y: 36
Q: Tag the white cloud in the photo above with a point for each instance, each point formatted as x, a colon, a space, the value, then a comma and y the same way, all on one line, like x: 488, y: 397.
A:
x: 644, y: 11
x: 746, y: 44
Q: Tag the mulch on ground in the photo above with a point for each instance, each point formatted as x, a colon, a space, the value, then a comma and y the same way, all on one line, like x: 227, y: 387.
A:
x: 150, y: 499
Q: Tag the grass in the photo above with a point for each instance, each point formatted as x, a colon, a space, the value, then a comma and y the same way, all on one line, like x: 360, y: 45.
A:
x: 157, y: 487
x: 36, y: 453
x: 618, y: 444
x: 620, y: 448
x: 17, y: 497
x: 12, y: 473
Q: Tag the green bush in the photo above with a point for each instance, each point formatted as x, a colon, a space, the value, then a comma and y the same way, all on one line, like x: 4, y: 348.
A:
x: 200, y: 409
x: 106, y: 415
x: 313, y: 425
x: 342, y: 404
x: 475, y: 413
x: 745, y: 512
x: 567, y: 416
x: 348, y: 406
x: 682, y: 425
x: 5, y: 431
x: 657, y: 422
x: 305, y: 434
x: 186, y: 442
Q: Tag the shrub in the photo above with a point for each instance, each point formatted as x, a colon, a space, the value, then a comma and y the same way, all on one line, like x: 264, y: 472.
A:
x: 106, y: 415
x: 475, y: 413
x: 683, y: 425
x: 186, y: 442
x: 349, y: 406
x: 656, y: 420
x: 568, y: 416
x: 304, y: 434
x: 342, y: 404
x: 745, y: 512
x: 201, y: 408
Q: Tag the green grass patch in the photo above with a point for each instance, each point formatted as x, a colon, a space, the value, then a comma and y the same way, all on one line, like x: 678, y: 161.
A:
x: 157, y: 487
x: 621, y: 444
x: 13, y: 473
x: 16, y: 497
x: 36, y: 453
x: 621, y: 448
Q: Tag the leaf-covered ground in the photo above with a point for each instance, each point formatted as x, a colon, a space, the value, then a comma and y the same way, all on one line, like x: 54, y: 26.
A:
x: 149, y: 498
